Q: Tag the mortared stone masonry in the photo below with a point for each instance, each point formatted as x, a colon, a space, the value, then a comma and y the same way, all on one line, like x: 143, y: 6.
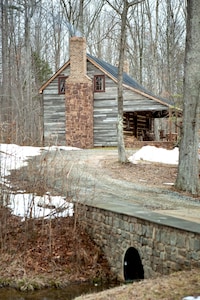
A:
x: 79, y: 98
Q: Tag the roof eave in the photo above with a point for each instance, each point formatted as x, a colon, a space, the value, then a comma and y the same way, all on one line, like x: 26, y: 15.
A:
x: 101, y: 69
x: 148, y: 96
x: 128, y: 86
x: 53, y: 77
x: 111, y: 77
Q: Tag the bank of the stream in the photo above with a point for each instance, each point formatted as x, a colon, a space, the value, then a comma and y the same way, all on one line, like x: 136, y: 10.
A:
x: 45, y: 253
x: 176, y: 286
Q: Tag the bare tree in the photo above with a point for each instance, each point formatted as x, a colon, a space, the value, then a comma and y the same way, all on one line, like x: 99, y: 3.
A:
x: 74, y: 16
x: 20, y: 106
x: 38, y: 28
x: 155, y: 38
x: 81, y: 15
x: 137, y: 31
x: 121, y: 8
x: 103, y: 33
x: 188, y: 168
x: 4, y: 61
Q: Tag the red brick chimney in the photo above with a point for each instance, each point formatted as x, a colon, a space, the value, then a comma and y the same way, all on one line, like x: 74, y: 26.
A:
x: 79, y: 98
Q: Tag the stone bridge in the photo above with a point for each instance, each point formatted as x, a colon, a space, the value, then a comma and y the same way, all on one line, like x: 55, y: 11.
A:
x: 139, y: 243
x: 122, y: 218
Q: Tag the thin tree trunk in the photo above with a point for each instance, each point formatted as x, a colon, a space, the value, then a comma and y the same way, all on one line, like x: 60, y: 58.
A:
x: 121, y: 147
x: 5, y: 101
x: 125, y: 6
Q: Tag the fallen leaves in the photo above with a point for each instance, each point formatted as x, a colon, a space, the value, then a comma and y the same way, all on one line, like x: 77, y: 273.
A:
x: 49, y: 248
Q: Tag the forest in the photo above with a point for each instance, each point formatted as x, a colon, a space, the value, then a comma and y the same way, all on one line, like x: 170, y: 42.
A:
x: 35, y: 43
x: 34, y: 37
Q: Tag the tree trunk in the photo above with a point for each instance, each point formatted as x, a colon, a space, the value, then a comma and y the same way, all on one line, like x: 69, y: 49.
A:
x: 121, y: 147
x: 188, y: 170
x: 5, y: 80
x: 125, y: 5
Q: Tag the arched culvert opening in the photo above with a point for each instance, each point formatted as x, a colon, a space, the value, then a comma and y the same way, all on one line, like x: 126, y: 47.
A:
x: 133, y: 268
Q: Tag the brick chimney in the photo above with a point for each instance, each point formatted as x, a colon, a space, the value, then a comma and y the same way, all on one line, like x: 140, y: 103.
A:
x: 78, y: 63
x: 79, y: 98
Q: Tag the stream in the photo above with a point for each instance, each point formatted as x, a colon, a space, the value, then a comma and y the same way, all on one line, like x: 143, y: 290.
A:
x: 69, y: 293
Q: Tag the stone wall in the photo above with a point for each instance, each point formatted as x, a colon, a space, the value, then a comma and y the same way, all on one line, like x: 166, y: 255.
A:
x: 79, y: 98
x: 79, y: 114
x: 162, y: 249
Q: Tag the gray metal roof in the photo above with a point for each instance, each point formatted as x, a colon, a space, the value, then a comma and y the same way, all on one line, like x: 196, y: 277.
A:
x: 129, y: 81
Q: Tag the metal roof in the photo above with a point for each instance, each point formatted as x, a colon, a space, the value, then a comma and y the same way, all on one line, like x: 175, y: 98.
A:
x: 113, y: 72
x: 127, y: 80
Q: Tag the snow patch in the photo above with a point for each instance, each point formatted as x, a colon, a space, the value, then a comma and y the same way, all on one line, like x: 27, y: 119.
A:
x: 25, y: 205
x: 13, y: 156
x: 191, y: 298
x: 154, y: 154
x: 32, y: 206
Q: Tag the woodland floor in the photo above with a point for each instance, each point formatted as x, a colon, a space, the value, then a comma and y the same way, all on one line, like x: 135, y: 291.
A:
x: 47, y: 253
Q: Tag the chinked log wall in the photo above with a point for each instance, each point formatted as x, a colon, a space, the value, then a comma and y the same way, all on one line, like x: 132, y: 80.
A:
x: 162, y: 249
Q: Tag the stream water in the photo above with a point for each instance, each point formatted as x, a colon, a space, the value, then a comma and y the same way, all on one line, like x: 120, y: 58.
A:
x: 69, y: 293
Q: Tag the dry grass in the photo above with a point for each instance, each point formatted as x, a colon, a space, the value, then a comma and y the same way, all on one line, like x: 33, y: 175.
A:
x: 44, y: 253
x: 172, y: 287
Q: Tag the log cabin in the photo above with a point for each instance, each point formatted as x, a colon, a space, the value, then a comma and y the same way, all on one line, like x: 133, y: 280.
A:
x: 80, y: 103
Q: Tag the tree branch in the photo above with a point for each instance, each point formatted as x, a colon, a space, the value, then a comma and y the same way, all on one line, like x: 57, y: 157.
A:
x: 129, y: 4
x: 135, y: 2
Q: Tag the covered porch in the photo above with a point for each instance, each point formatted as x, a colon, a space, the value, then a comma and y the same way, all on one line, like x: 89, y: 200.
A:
x: 158, y: 126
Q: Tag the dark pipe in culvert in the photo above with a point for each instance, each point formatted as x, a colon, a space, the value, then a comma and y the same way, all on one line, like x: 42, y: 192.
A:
x: 133, y: 268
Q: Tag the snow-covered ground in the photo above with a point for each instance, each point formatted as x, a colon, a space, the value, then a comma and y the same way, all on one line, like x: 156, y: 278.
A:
x: 191, y: 298
x: 29, y: 205
x: 32, y: 206
x: 154, y: 154
x: 13, y: 156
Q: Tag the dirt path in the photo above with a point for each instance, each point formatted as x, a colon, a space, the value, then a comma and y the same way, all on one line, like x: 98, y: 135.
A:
x: 96, y: 176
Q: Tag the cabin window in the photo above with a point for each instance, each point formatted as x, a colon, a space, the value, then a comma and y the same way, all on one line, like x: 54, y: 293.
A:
x: 99, y: 83
x: 61, y: 84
